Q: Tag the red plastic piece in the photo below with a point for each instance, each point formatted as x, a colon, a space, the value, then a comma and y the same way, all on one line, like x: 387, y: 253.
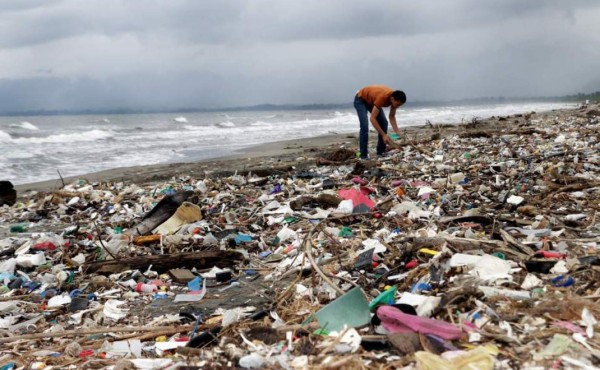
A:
x: 44, y: 246
x: 412, y: 264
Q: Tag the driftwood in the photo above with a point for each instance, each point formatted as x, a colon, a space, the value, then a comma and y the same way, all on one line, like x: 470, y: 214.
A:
x: 511, y: 248
x: 480, y: 219
x: 578, y: 184
x: 413, y: 144
x: 165, y: 262
x: 326, y: 162
x: 488, y: 246
x: 79, y: 332
x: 516, y: 244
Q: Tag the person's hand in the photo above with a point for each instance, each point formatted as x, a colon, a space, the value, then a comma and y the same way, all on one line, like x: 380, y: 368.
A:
x: 394, y: 136
x: 387, y: 140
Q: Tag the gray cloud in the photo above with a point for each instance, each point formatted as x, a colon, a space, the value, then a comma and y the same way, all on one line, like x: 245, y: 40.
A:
x: 154, y: 54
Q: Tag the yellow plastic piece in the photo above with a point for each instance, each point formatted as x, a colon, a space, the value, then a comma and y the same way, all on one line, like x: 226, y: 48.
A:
x: 477, y: 359
x: 431, y: 252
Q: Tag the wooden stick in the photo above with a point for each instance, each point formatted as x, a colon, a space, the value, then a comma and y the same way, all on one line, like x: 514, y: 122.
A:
x: 86, y: 343
x: 141, y: 338
x: 102, y: 243
x: 165, y: 262
x: 15, y: 298
x: 71, y: 333
x: 61, y: 178
x: 308, y: 252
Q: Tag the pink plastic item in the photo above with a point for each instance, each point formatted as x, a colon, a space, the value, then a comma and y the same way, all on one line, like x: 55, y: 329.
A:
x: 357, y: 198
x: 366, y: 191
x: 396, y: 321
x: 359, y: 181
x: 569, y: 326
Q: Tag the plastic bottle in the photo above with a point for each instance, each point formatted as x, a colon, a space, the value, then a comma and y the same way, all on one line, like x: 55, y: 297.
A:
x: 18, y: 228
x: 115, y: 245
x: 145, y: 288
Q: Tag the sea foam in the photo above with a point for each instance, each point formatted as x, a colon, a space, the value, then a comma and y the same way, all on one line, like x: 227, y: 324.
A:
x: 5, y: 137
x: 225, y: 124
x: 24, y: 125
x: 92, y: 135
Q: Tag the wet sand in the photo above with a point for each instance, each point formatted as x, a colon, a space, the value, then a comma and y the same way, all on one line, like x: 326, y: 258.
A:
x: 292, y: 152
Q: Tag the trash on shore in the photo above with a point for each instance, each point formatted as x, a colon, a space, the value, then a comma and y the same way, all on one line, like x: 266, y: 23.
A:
x: 477, y: 247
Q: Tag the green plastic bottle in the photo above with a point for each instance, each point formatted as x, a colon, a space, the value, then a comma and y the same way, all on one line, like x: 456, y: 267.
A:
x: 19, y: 228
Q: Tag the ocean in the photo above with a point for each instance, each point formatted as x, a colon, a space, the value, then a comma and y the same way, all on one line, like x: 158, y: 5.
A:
x: 34, y: 148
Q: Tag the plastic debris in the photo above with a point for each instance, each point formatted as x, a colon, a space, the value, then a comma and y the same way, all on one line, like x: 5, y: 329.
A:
x: 350, y: 310
x: 477, y: 249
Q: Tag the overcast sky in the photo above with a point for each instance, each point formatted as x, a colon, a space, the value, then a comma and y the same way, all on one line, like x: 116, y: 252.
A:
x: 98, y: 54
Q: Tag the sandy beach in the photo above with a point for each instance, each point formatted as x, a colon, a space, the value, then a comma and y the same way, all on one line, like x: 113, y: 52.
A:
x: 187, y: 185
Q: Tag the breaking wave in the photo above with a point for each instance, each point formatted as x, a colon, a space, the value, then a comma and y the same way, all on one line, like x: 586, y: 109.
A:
x: 225, y: 124
x: 194, y: 128
x: 4, y: 137
x: 24, y: 125
x: 92, y: 135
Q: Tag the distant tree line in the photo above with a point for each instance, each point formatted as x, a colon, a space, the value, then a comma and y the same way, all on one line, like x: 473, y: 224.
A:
x: 595, y: 96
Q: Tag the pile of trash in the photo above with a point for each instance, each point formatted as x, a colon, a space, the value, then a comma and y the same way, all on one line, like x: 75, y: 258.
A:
x: 478, y: 250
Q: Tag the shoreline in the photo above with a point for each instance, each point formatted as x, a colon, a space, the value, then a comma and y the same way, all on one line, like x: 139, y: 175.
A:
x: 272, y: 152
x: 288, y: 153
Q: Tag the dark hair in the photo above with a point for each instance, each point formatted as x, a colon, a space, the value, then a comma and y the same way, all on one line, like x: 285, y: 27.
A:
x: 400, y: 96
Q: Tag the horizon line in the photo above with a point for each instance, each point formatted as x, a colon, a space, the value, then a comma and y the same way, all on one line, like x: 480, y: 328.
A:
x: 271, y: 106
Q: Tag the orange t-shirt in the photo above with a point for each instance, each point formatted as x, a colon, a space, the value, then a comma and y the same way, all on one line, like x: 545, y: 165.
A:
x: 377, y: 95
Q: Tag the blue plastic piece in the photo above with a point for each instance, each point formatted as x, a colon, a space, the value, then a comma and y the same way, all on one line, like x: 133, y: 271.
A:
x: 420, y: 287
x: 563, y: 281
x: 195, y: 284
x: 264, y: 254
x: 9, y: 366
x: 242, y: 238
x: 31, y: 286
x: 45, y: 293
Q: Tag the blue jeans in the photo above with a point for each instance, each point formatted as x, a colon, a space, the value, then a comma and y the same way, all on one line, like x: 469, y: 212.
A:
x: 361, y: 109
